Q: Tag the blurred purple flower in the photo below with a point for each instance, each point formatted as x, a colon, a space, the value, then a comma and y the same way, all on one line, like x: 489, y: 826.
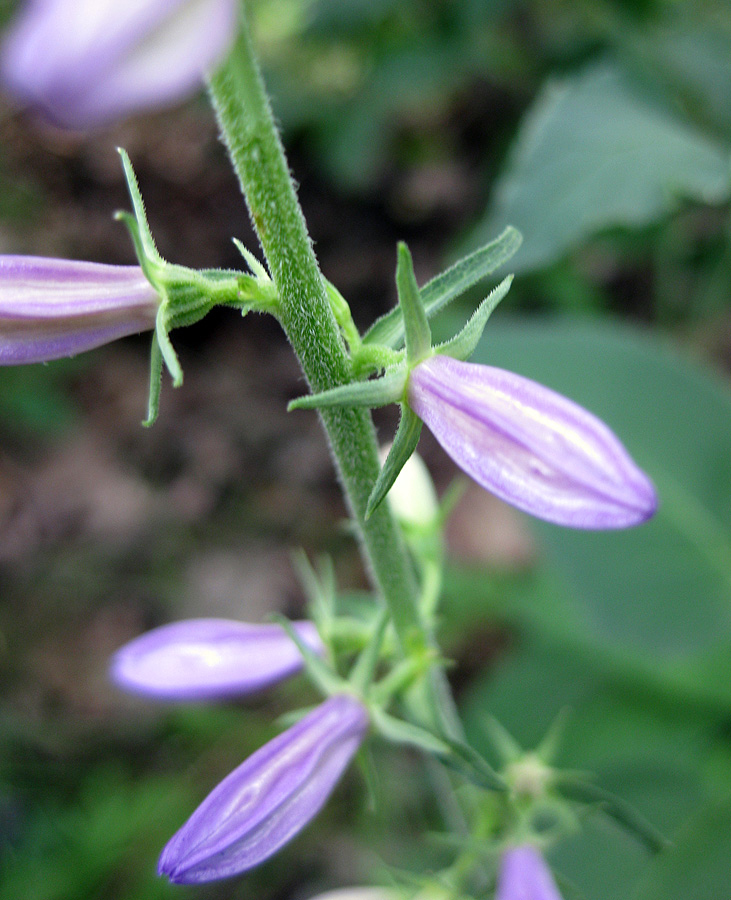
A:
x: 208, y: 659
x: 86, y: 63
x: 50, y: 308
x: 270, y: 798
x: 530, y: 446
x: 524, y: 875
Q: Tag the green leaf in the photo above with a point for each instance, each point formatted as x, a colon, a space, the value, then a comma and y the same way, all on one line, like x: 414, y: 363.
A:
x: 658, y: 595
x: 594, y: 152
x: 444, y: 288
x: 697, y: 865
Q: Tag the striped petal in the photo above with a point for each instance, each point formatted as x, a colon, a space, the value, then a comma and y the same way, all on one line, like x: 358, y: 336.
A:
x: 530, y: 446
x: 208, y: 659
x: 270, y: 798
x: 50, y: 308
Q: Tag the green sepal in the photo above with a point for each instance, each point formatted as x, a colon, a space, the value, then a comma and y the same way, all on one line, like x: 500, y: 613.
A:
x: 462, y: 345
x: 404, y: 444
x: 376, y: 392
x: 364, y: 669
x: 622, y: 812
x: 416, y: 325
x: 547, y: 750
x: 252, y: 262
x: 186, y: 295
x: 153, y: 399
x: 471, y: 763
x: 320, y: 589
x: 444, y: 288
x: 506, y: 747
x: 321, y: 675
x: 162, y: 334
x: 397, y: 731
x: 148, y: 251
x: 258, y: 290
x: 455, y: 754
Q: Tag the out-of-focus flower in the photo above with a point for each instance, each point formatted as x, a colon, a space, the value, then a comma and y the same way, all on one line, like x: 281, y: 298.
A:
x: 50, y: 308
x: 208, y: 659
x: 530, y: 446
x: 270, y: 798
x: 86, y: 63
x: 524, y: 875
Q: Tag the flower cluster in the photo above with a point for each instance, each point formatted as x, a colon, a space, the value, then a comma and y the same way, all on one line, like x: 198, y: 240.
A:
x: 273, y: 795
x: 86, y: 63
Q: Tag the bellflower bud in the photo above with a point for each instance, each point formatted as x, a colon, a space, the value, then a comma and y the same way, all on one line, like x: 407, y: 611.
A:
x: 530, y: 446
x: 86, y: 63
x: 524, y: 875
x: 50, y: 308
x: 271, y: 797
x: 209, y: 659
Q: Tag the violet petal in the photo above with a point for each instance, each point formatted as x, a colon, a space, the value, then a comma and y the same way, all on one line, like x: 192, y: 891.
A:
x: 207, y: 659
x: 530, y: 446
x: 524, y: 875
x: 85, y: 63
x: 50, y: 308
x: 268, y: 799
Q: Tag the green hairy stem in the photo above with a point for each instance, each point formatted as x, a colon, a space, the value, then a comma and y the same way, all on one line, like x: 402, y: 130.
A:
x: 246, y: 122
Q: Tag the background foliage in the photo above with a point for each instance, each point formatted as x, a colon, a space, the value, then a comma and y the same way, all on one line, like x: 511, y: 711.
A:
x: 600, y: 128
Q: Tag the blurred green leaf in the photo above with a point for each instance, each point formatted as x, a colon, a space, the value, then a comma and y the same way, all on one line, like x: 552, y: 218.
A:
x: 594, y: 152
x: 658, y: 597
x: 698, y: 865
x: 694, y: 56
x: 35, y: 398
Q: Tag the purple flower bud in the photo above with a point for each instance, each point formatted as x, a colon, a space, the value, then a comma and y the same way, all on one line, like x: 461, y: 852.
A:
x: 264, y: 803
x: 208, y: 659
x: 530, y: 446
x: 51, y: 308
x: 524, y: 875
x: 84, y: 63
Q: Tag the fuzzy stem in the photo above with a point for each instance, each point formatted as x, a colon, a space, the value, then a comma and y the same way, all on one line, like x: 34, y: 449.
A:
x: 246, y: 122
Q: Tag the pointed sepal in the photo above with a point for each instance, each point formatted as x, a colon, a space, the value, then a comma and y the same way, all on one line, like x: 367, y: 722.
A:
x: 623, y: 813
x: 318, y: 671
x: 153, y: 399
x: 463, y: 345
x: 376, y: 392
x: 446, y: 287
x: 404, y: 444
x: 416, y: 324
x: 138, y: 225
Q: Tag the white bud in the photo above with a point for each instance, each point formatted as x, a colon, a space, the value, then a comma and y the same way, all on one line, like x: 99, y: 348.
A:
x: 413, y: 497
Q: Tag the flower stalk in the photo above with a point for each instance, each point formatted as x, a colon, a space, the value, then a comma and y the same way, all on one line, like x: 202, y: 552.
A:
x: 248, y: 128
